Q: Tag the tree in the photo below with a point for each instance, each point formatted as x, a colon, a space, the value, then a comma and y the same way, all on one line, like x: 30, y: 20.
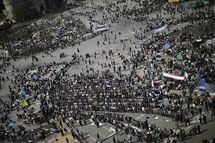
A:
x: 54, y: 5
x: 21, y: 10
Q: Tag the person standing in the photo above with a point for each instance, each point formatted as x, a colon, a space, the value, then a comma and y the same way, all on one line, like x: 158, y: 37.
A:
x: 67, y: 140
x: 114, y: 140
x: 198, y: 128
x: 98, y: 137
x: 204, y: 119
x: 200, y: 120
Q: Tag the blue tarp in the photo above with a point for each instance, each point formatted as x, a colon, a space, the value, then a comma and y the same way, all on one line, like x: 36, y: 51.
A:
x: 185, y: 5
x: 193, y: 5
x: 35, y: 77
x: 166, y: 46
x: 201, y: 84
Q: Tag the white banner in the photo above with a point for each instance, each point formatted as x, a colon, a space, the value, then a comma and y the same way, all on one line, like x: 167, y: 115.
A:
x: 173, y: 76
x: 160, y: 29
x: 18, y: 43
x: 144, y: 40
x: 97, y: 28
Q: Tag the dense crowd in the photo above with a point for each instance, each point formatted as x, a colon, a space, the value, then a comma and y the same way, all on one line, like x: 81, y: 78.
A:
x: 62, y: 96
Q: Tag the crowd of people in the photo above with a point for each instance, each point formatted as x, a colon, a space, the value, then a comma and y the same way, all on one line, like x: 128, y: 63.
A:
x: 46, y: 34
x: 118, y: 87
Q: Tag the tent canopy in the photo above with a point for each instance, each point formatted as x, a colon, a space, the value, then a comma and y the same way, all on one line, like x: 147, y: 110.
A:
x: 179, y: 56
x: 210, y: 87
x: 24, y: 104
x: 166, y: 46
x: 201, y: 84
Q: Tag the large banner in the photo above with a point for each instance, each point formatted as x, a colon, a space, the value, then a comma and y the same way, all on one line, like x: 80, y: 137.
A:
x: 173, y: 76
x: 97, y: 28
x: 160, y: 29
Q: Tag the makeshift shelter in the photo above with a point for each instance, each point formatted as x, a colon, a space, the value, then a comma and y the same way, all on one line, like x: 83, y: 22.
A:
x: 210, y: 88
x: 179, y: 56
x: 166, y: 46
x: 23, y: 94
x: 15, y: 127
x: 24, y: 104
x: 200, y: 85
x: 26, y: 98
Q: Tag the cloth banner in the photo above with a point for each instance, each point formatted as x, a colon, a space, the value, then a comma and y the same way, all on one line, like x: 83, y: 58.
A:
x: 97, y: 28
x: 176, y: 77
x: 144, y: 40
x: 173, y: 1
x: 161, y: 29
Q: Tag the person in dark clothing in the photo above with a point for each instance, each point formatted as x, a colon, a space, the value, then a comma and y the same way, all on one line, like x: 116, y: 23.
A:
x: 200, y: 120
x: 97, y: 124
x: 77, y: 131
x: 98, y: 137
x: 200, y: 111
x: 204, y: 119
x: 62, y: 133
x: 67, y: 140
x: 198, y: 128
x: 43, y: 134
x: 114, y: 140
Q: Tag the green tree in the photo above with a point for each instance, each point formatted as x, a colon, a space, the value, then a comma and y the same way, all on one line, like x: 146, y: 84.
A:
x: 54, y: 5
x: 21, y: 10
